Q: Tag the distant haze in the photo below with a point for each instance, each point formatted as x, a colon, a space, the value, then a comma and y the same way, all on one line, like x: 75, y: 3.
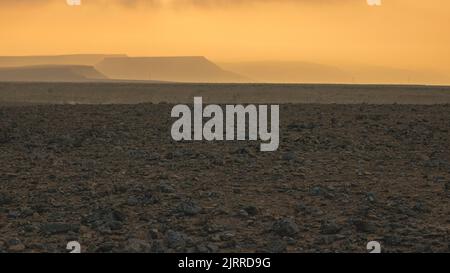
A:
x: 402, y: 41
x: 305, y: 72
x: 79, y: 59
x: 197, y: 69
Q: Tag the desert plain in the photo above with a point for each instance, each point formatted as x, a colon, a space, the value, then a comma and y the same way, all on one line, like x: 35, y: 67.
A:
x: 95, y: 163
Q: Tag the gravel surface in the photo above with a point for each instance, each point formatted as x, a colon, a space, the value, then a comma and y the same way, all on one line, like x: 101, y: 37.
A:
x: 112, y: 178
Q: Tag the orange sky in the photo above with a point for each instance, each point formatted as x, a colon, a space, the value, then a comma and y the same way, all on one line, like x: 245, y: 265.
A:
x: 401, y: 33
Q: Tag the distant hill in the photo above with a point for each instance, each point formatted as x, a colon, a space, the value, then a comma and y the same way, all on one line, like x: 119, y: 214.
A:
x: 198, y: 69
x: 304, y: 72
x: 389, y: 75
x: 76, y: 59
x: 176, y: 69
x: 289, y: 72
x: 51, y: 73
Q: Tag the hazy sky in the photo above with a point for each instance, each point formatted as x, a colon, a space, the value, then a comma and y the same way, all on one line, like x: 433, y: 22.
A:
x: 401, y: 33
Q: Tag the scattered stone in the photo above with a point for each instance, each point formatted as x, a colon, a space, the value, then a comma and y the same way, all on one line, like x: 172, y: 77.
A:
x: 158, y: 246
x: 105, y: 218
x: 120, y: 189
x: 27, y: 212
x: 202, y: 249
x: 5, y: 199
x: 420, y: 207
x: 153, y: 157
x: 114, y: 225
x: 13, y: 214
x: 302, y: 208
x: 188, y: 208
x: 326, y: 239
x: 28, y: 228
x: 277, y: 246
x: 290, y: 241
x: 15, y: 245
x: 137, y: 154
x: 285, y: 227
x: 132, y: 201
x: 212, y: 248
x: 363, y: 226
x: 16, y: 248
x: 289, y: 156
x: 138, y: 246
x: 107, y: 247
x: 330, y: 228
x: 371, y: 197
x: 153, y: 233
x: 242, y: 213
x: 392, y: 240
x: 165, y: 187
x: 324, y: 192
x: 251, y: 210
x: 175, y: 240
x: 316, y: 191
x: 145, y: 198
x: 226, y: 236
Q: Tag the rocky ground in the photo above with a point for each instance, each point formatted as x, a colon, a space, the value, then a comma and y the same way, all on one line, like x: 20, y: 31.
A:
x: 111, y: 178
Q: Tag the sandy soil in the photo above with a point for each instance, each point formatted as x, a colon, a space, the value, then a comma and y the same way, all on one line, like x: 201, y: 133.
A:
x: 110, y: 177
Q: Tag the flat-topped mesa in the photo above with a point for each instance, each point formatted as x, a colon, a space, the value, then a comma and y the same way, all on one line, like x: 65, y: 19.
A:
x: 51, y: 73
x: 176, y: 69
